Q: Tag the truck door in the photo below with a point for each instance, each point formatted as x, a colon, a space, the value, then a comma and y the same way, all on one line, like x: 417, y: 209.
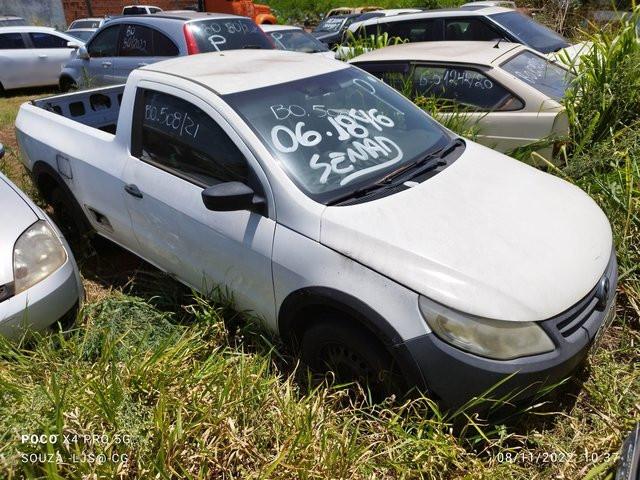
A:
x: 181, y: 146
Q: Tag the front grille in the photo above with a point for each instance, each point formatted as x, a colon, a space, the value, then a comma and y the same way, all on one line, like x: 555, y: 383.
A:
x: 573, y: 319
x: 578, y: 314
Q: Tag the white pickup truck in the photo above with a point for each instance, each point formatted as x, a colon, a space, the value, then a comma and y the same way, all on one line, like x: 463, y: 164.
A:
x: 371, y: 238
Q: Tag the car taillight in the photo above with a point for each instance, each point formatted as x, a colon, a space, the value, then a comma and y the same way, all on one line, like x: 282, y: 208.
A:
x: 192, y: 45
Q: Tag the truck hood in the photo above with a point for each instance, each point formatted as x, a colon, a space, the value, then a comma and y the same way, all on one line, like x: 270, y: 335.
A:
x: 489, y: 236
x: 15, y: 217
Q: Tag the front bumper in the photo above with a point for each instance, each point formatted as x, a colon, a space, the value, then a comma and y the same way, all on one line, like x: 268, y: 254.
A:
x: 43, y: 304
x: 455, y: 376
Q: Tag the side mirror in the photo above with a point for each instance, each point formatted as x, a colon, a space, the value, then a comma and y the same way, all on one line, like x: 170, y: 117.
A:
x: 230, y: 197
x: 82, y: 53
x: 1, y: 151
x: 73, y: 45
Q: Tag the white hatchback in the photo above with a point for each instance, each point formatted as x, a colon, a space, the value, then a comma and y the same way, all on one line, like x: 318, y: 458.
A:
x: 33, y: 56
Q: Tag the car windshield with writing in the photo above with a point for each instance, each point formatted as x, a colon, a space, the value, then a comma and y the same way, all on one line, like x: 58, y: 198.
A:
x: 297, y: 41
x: 529, y: 32
x: 330, y: 25
x: 543, y: 75
x: 228, y: 34
x: 339, y: 132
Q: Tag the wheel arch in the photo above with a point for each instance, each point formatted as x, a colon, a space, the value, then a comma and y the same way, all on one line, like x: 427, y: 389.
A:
x: 301, y: 304
x: 312, y: 300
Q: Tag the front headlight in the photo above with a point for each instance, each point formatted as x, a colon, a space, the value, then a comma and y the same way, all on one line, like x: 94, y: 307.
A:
x: 37, y: 254
x: 496, y: 339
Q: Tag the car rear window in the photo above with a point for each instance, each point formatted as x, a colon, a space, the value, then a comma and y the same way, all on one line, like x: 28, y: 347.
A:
x: 529, y: 32
x: 540, y: 73
x: 13, y: 22
x: 228, y: 34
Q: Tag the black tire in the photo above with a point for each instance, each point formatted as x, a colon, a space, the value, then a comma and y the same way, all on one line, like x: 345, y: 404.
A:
x: 68, y: 215
x: 353, y: 355
x: 67, y: 85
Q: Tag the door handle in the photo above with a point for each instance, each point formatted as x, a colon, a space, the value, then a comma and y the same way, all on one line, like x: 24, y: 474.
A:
x: 106, y: 64
x: 133, y: 190
x: 42, y: 56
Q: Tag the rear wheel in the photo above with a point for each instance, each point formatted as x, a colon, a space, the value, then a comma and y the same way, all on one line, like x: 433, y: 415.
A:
x: 68, y: 215
x: 353, y: 355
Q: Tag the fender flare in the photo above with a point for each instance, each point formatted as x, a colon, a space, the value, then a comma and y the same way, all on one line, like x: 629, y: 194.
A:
x: 300, y: 301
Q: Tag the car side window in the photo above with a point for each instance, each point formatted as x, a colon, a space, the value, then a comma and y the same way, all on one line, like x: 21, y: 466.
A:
x: 468, y: 29
x: 105, y: 42
x: 466, y: 87
x: 163, y: 46
x: 394, y: 74
x: 11, y: 41
x: 46, y: 40
x: 411, y: 30
x: 136, y: 41
x: 140, y: 41
x: 178, y: 137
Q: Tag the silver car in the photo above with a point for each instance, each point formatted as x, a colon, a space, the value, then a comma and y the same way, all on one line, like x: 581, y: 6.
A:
x: 39, y: 281
x: 126, y: 43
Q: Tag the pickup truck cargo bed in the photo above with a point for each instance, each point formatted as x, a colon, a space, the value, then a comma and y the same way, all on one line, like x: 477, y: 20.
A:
x: 98, y: 108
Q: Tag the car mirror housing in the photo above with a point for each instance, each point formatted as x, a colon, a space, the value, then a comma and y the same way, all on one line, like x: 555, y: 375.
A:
x: 1, y: 151
x: 82, y: 51
x: 230, y: 196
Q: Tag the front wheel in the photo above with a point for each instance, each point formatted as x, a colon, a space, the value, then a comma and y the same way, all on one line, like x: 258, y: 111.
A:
x: 67, y: 85
x: 352, y: 355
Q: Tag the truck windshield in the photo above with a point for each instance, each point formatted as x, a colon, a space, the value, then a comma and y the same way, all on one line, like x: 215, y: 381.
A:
x: 297, y: 41
x: 338, y: 132
x: 540, y: 73
x: 228, y: 34
x: 529, y: 32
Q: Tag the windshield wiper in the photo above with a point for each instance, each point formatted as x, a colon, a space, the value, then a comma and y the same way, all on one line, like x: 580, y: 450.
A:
x: 432, y: 160
x: 429, y: 162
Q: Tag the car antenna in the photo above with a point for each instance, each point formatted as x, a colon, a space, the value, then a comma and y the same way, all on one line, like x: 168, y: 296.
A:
x: 497, y: 45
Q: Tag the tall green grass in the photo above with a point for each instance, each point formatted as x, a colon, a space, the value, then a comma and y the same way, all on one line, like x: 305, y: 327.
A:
x: 605, y: 97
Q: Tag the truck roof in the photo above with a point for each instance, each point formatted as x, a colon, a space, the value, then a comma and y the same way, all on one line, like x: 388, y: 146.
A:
x: 241, y: 70
x: 476, y: 52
